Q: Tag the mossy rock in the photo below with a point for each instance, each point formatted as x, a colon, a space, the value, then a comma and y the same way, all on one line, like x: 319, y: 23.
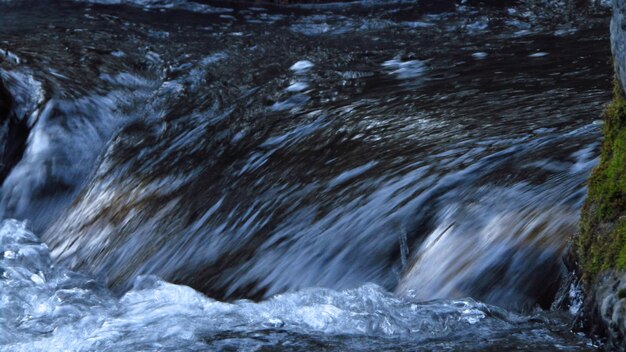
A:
x: 601, y: 243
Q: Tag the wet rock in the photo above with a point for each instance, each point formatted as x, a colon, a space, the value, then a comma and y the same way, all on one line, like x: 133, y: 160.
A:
x: 618, y: 39
x: 601, y: 242
x: 607, y: 304
x: 5, y: 102
x: 13, y: 133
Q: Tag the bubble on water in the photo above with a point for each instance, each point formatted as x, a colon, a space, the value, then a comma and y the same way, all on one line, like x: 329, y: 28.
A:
x: 473, y: 315
x: 297, y: 87
x: 479, y: 55
x: 302, y: 65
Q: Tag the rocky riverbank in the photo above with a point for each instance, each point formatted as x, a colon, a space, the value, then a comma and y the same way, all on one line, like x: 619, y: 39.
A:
x: 601, y: 243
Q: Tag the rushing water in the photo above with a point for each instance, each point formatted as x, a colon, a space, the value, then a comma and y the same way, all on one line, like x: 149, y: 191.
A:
x: 358, y: 171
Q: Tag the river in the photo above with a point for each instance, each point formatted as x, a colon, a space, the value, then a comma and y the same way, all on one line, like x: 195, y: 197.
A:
x: 211, y: 176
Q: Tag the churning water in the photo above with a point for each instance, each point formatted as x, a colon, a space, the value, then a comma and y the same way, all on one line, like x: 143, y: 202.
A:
x: 191, y: 176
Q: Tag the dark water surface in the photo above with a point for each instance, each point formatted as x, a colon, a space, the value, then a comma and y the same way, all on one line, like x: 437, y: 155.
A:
x: 358, y: 171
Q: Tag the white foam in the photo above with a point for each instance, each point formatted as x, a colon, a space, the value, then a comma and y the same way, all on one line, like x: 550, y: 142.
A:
x: 406, y: 69
x: 51, y: 309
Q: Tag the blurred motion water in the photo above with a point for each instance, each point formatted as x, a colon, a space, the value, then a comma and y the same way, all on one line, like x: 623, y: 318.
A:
x: 329, y: 155
x: 47, y: 308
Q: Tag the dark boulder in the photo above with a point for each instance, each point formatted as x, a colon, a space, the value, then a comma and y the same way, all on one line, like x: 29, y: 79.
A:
x: 13, y: 133
x: 6, y: 102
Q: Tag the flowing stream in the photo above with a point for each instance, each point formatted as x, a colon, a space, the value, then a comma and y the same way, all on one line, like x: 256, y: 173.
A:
x: 385, y: 176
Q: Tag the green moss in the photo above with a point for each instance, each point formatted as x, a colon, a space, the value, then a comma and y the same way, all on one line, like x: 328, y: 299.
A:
x: 601, y: 243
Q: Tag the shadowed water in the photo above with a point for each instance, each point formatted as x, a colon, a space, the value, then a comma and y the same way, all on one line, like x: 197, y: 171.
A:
x: 250, y: 152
